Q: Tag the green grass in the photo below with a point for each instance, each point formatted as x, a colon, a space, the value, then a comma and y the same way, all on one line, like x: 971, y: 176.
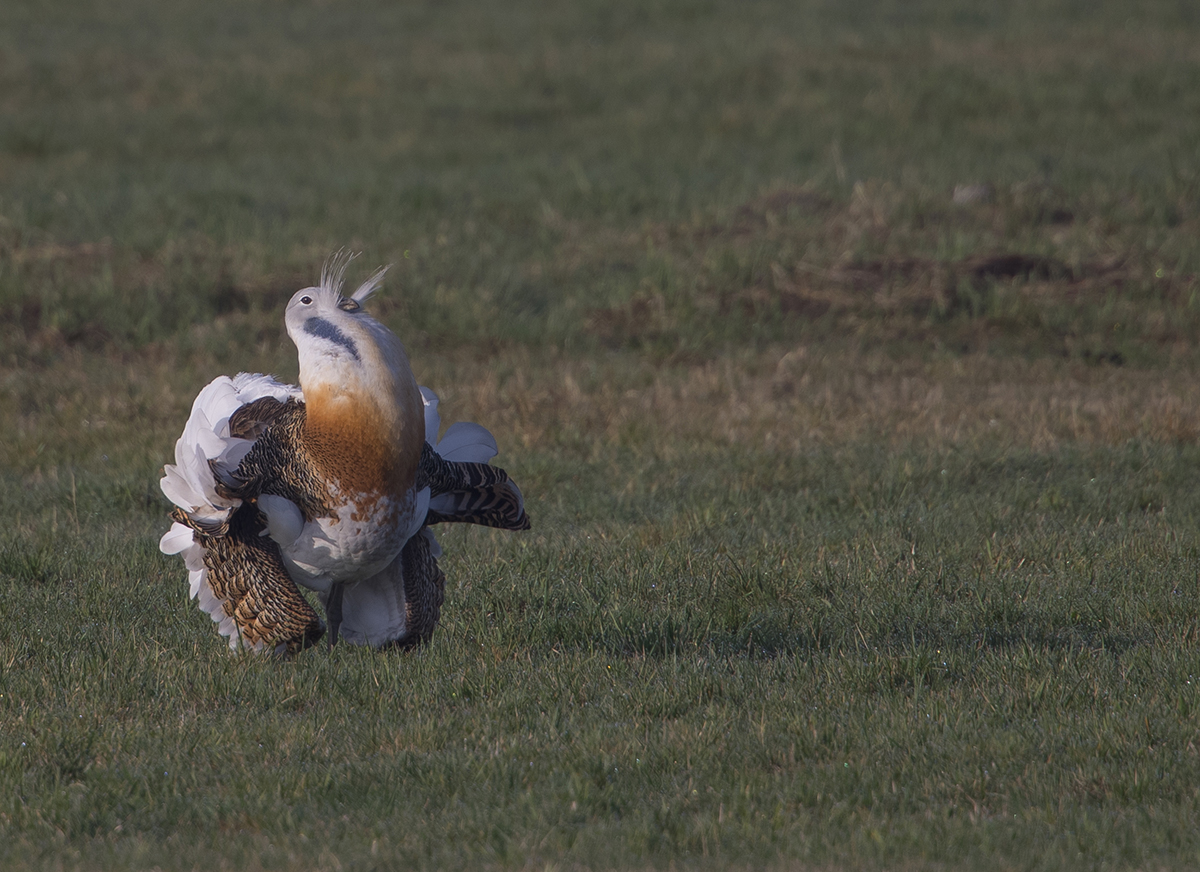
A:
x: 865, y: 527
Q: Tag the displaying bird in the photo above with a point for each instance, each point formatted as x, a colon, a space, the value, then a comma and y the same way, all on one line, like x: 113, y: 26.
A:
x: 332, y: 485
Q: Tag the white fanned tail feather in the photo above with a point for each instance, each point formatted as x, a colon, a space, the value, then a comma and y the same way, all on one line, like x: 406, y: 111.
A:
x: 190, y: 483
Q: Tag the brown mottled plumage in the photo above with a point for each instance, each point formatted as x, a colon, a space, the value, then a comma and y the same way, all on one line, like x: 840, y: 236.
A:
x: 279, y: 462
x: 424, y: 591
x: 248, y: 576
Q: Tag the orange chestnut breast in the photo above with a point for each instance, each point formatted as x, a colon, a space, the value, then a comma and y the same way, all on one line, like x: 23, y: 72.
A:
x: 360, y: 448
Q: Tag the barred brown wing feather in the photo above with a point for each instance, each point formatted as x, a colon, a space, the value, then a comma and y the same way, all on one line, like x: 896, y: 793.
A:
x: 490, y: 506
x: 247, y: 575
x: 471, y: 493
x: 424, y: 590
x: 443, y: 476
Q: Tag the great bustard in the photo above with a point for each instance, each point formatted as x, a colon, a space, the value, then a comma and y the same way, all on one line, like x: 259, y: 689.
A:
x: 331, y: 485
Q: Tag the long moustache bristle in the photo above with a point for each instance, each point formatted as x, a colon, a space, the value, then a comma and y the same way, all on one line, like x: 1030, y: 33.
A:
x: 333, y: 276
x: 370, y: 286
x: 333, y: 273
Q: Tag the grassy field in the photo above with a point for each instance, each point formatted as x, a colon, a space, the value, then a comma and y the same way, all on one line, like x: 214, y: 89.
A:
x: 846, y: 354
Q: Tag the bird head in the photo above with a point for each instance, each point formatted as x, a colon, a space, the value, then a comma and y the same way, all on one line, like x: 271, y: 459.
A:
x: 343, y: 351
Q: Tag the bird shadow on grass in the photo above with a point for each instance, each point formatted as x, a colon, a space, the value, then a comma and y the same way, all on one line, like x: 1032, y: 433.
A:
x: 766, y: 637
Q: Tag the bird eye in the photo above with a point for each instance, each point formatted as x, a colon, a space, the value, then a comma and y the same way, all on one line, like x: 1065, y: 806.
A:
x: 348, y: 305
x: 306, y: 300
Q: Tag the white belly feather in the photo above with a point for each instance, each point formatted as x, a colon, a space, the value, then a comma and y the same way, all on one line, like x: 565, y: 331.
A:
x: 353, y: 546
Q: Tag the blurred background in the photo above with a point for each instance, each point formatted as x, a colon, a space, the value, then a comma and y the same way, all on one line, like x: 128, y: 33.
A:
x: 533, y: 168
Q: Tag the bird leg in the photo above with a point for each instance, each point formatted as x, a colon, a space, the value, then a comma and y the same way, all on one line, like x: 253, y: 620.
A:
x: 333, y: 611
